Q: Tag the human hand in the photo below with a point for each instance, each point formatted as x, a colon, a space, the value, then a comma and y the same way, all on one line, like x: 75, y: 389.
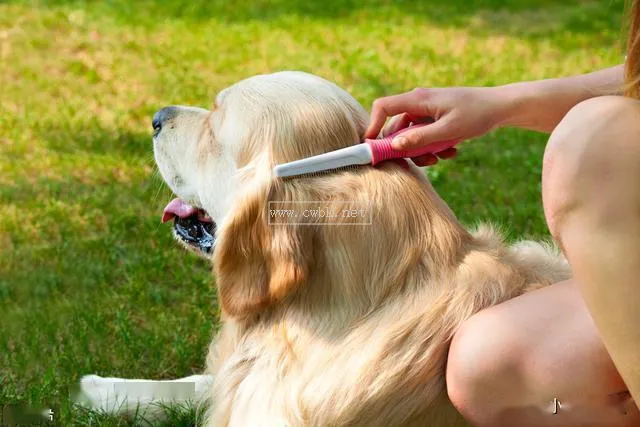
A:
x: 455, y: 114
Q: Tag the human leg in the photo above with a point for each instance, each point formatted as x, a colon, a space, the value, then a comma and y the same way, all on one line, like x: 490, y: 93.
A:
x: 591, y: 193
x: 536, y: 360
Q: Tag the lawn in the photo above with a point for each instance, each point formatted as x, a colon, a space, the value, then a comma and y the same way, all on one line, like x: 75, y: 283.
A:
x: 90, y: 281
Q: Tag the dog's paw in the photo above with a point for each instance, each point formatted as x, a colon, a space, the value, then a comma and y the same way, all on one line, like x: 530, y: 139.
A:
x: 98, y: 393
x: 126, y: 396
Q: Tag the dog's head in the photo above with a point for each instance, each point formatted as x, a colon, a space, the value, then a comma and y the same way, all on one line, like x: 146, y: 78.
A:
x: 219, y: 163
x: 206, y: 157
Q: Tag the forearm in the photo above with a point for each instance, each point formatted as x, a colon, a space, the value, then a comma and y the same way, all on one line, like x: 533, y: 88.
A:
x: 540, y: 105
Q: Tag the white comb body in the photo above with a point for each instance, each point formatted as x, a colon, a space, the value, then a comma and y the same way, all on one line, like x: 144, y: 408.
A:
x: 359, y: 154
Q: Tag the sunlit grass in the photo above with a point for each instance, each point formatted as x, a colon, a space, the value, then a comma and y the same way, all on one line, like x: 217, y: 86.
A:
x: 90, y: 281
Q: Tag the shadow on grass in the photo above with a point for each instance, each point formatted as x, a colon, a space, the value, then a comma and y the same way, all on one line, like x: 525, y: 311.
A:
x: 518, y: 18
x: 91, y: 137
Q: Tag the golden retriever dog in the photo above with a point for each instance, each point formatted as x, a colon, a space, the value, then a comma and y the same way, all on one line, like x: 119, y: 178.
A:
x: 328, y: 322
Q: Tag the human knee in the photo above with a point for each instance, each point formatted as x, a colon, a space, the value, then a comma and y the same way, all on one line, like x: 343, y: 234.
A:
x: 592, y: 127
x: 484, y: 364
x: 591, y: 155
x: 596, y: 114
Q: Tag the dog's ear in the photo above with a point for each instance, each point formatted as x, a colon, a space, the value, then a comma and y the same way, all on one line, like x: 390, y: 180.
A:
x: 258, y: 263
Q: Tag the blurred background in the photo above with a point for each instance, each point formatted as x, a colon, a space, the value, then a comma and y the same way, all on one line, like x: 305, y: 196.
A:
x: 90, y: 281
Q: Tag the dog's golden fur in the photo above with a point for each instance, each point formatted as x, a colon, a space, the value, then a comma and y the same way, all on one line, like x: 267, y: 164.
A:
x: 327, y: 325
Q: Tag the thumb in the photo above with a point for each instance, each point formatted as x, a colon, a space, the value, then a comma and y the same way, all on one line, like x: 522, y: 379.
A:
x: 434, y: 132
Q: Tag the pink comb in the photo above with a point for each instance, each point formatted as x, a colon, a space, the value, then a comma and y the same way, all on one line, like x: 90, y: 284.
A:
x: 371, y: 151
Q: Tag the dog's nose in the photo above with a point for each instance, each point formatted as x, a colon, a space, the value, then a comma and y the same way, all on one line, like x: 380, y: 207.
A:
x: 160, y: 118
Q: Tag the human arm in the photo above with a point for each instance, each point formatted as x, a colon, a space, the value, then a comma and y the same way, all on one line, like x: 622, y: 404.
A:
x: 540, y: 105
x: 468, y: 112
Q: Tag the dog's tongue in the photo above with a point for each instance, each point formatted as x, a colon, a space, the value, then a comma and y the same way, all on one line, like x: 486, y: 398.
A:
x: 178, y: 208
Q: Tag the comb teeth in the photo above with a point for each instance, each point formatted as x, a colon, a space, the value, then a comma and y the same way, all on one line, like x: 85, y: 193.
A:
x: 359, y: 154
x: 323, y: 172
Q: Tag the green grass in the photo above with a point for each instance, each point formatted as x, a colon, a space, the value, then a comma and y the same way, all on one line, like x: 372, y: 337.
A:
x: 90, y: 281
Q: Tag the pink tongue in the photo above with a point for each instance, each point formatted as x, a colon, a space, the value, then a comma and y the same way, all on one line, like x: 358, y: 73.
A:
x: 178, y: 208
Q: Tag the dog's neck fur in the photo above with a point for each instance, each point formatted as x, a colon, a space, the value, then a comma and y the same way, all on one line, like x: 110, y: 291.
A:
x: 353, y: 284
x: 351, y: 276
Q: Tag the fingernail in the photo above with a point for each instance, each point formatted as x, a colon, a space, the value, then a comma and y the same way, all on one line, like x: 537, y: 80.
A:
x: 399, y: 142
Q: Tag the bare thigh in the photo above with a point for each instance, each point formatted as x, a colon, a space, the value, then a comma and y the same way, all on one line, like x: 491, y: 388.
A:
x: 543, y: 364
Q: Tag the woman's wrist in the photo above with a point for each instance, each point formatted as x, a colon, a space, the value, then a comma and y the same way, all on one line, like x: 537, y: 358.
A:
x: 511, y: 103
x: 526, y: 105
